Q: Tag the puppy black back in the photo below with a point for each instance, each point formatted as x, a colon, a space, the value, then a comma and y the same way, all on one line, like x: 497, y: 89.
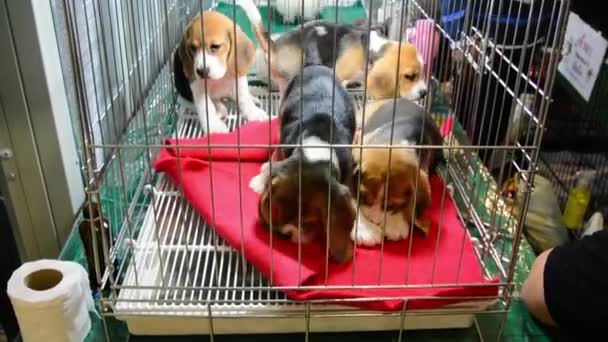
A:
x: 315, y: 100
x: 313, y: 93
x: 321, y: 34
x: 411, y: 122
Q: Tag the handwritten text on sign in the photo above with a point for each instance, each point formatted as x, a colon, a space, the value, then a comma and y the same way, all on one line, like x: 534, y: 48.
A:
x: 584, y: 54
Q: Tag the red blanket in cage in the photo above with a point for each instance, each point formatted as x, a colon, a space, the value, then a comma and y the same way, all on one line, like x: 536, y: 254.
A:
x: 447, y: 261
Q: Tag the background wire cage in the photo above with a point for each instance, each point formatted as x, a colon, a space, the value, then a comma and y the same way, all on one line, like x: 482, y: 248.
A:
x: 169, y: 272
x: 575, y: 139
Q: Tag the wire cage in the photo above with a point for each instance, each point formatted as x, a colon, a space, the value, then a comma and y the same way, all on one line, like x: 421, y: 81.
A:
x: 166, y: 269
x: 575, y: 137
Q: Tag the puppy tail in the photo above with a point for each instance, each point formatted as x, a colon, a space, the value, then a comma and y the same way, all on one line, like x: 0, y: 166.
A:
x: 253, y: 13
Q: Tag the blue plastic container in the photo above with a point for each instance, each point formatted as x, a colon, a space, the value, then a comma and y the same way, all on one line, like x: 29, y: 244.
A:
x: 506, y: 18
x: 452, y: 16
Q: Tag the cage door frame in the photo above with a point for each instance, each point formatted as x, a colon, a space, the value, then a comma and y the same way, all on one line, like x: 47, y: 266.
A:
x: 44, y: 185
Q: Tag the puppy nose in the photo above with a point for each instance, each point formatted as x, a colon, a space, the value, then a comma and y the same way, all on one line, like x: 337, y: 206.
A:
x: 422, y: 93
x: 203, y: 72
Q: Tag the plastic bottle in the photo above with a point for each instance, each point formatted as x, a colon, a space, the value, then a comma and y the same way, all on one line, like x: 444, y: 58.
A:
x: 578, y: 200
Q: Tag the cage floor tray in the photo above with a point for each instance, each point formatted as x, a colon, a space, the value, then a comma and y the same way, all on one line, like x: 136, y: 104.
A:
x: 181, y: 273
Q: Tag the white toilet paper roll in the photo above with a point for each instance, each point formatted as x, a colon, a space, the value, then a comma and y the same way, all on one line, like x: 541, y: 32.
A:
x: 51, y: 299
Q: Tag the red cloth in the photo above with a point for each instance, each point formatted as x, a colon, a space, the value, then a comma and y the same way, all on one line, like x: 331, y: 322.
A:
x: 453, y: 248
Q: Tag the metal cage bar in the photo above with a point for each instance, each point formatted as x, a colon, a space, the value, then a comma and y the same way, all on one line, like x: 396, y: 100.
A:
x: 168, y: 262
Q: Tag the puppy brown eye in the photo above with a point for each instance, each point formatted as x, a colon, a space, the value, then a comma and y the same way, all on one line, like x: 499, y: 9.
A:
x: 214, y: 47
x: 410, y: 77
x: 192, y: 48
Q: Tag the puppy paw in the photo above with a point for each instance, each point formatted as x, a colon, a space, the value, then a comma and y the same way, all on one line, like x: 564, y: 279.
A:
x: 209, y: 118
x: 366, y: 233
x: 265, y: 168
x: 222, y: 110
x: 397, y: 227
x: 217, y: 126
x: 257, y: 101
x: 255, y: 113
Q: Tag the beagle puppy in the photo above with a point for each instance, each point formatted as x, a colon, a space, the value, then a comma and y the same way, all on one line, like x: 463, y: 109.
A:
x: 324, y: 172
x: 395, y: 68
x: 408, y: 193
x: 211, y: 62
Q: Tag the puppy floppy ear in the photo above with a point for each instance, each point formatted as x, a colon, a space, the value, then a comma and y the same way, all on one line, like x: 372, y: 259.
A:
x: 269, y: 212
x: 423, y: 199
x: 185, y: 54
x: 241, y: 54
x: 380, y: 83
x: 423, y: 196
x: 277, y: 182
x: 341, y: 222
x: 264, y: 209
x: 357, y: 178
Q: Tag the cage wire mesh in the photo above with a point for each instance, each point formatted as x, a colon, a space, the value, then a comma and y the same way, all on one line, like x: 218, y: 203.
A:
x: 166, y: 262
x: 577, y: 142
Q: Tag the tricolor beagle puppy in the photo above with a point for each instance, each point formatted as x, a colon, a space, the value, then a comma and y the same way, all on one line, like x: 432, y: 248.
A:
x: 409, y: 190
x: 395, y: 69
x: 324, y: 172
x: 212, y: 61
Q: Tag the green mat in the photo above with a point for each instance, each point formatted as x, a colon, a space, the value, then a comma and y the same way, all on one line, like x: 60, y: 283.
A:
x: 346, y: 14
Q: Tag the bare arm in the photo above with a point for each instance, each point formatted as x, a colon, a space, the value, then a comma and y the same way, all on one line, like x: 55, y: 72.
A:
x: 533, y: 290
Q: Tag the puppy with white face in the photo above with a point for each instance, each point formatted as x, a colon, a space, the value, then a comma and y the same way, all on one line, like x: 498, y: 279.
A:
x: 396, y: 207
x: 395, y: 69
x: 306, y: 194
x: 211, y: 64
